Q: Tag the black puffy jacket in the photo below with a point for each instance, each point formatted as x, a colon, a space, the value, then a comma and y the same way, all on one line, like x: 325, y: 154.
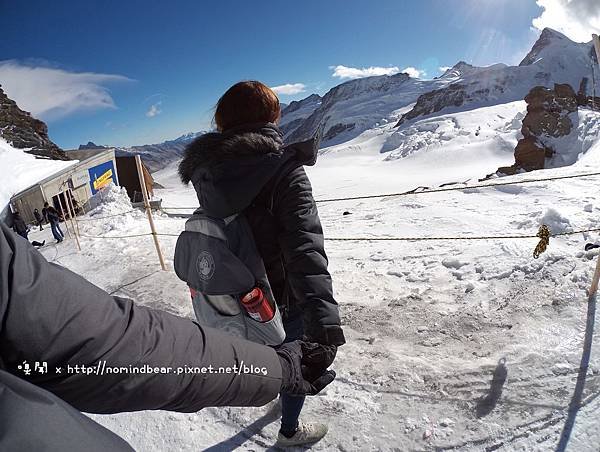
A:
x: 249, y: 170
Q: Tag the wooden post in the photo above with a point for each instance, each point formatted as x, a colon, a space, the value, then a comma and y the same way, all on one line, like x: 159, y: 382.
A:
x: 140, y: 170
x: 71, y: 197
x: 596, y: 40
x: 69, y: 203
x: 595, y: 280
x: 64, y: 218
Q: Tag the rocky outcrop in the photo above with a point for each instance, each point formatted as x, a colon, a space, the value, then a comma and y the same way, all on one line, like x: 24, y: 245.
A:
x: 23, y: 131
x: 583, y: 100
x: 547, y: 117
x: 436, y: 100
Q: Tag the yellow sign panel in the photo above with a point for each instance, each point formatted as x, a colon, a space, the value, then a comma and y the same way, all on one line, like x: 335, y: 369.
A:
x: 103, y: 180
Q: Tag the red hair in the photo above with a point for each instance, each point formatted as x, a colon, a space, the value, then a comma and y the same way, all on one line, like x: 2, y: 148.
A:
x: 246, y: 102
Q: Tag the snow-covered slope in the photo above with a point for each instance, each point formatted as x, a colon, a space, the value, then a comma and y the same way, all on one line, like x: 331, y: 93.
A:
x: 23, y: 170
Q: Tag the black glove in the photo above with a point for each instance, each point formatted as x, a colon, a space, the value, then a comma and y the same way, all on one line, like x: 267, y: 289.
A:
x: 317, y: 357
x: 298, y: 377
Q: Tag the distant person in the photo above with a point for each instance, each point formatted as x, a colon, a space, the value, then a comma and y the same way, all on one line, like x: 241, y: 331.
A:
x: 54, y: 219
x: 19, y: 226
x: 246, y: 168
x: 78, y: 325
x: 45, y: 212
x: 21, y: 229
x: 76, y: 206
x: 38, y: 218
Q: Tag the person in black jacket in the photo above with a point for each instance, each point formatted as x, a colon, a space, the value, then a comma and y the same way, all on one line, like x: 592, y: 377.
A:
x: 245, y: 168
x: 57, y: 347
x: 38, y: 218
x: 19, y: 225
x: 21, y: 228
x: 54, y: 219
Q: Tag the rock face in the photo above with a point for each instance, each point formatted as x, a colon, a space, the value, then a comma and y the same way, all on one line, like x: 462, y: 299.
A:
x: 547, y: 117
x: 22, y: 130
x: 453, y: 96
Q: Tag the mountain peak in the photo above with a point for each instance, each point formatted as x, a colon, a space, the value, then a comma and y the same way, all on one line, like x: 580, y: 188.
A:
x: 460, y: 68
x: 547, y: 38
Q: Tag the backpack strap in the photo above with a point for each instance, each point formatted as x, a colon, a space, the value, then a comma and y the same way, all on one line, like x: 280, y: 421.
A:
x: 205, y: 226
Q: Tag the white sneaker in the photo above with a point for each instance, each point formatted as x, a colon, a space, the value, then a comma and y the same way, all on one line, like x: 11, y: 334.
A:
x: 307, y: 433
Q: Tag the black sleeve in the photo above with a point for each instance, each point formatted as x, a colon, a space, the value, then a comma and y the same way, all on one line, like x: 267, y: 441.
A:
x: 303, y: 248
x: 49, y: 314
x: 34, y: 419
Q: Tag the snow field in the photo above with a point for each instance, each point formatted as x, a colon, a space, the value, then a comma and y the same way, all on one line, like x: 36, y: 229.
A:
x: 427, y: 323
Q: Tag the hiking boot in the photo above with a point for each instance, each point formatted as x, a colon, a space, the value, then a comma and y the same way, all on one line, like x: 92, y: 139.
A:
x: 307, y: 433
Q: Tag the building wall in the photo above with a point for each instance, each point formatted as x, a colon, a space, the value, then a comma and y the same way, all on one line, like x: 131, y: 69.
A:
x: 31, y: 199
x: 79, y: 174
x: 128, y: 177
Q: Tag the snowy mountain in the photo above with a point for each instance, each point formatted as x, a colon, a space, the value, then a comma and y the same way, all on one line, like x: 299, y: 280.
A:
x: 155, y: 156
x: 554, y: 58
x: 294, y: 114
x: 357, y: 105
x: 353, y: 107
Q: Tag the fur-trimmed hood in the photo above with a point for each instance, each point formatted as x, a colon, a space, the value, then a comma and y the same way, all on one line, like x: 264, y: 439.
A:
x: 228, y: 170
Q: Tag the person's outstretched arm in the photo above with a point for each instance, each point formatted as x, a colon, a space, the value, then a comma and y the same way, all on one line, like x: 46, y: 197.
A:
x: 50, y: 314
x: 303, y: 250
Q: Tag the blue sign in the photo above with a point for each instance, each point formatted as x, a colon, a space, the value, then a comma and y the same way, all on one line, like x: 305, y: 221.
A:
x: 102, y: 175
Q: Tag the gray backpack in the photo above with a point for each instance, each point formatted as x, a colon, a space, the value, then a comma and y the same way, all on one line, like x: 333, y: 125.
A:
x: 220, y: 262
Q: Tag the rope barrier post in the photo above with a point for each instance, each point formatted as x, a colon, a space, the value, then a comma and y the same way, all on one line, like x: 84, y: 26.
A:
x: 69, y: 202
x: 595, y: 280
x: 62, y: 210
x: 138, y: 164
x: 596, y: 40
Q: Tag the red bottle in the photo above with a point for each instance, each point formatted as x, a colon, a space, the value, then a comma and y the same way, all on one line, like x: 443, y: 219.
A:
x: 257, y: 305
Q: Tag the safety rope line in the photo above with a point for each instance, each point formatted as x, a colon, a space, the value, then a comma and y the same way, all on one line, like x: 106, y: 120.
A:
x: 544, y: 235
x: 486, y: 237
x: 427, y: 191
x: 468, y: 187
x: 114, y: 236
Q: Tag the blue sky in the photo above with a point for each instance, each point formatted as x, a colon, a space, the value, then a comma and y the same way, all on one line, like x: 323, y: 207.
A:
x: 137, y: 72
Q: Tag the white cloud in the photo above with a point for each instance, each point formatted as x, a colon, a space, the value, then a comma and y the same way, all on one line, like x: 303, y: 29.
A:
x: 50, y: 93
x: 414, y: 72
x: 353, y: 72
x: 444, y: 68
x: 289, y: 88
x: 154, y: 110
x: 577, y: 19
